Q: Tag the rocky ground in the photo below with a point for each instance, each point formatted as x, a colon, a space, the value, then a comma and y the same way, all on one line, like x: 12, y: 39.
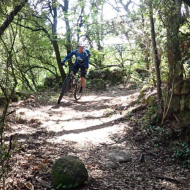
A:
x: 116, y: 153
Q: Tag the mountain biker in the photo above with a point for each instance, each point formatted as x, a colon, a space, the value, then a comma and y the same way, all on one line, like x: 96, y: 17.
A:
x: 82, y: 61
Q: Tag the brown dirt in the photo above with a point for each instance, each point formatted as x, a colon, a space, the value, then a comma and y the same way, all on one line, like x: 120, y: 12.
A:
x: 45, y: 131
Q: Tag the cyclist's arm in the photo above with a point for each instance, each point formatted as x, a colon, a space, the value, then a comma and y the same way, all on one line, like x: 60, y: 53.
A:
x: 69, y: 55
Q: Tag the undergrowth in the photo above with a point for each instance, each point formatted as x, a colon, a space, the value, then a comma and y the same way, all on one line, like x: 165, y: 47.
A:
x: 149, y: 123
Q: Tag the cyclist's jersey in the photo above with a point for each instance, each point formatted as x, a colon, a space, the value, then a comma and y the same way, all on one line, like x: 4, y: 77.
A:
x: 81, y: 58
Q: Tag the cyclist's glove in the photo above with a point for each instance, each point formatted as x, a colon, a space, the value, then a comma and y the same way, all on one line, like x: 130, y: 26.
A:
x: 62, y: 62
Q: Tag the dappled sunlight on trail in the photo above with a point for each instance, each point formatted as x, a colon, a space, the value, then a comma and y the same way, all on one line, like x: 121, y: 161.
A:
x: 91, y: 119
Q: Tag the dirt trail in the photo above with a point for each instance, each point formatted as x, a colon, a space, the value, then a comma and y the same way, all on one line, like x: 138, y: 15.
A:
x: 87, y: 128
x: 89, y: 120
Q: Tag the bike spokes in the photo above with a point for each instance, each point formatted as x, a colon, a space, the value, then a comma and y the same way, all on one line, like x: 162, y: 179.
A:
x: 77, y: 93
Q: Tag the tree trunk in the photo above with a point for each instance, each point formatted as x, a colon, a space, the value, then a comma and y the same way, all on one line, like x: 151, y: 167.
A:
x: 80, y: 21
x: 68, y: 29
x: 174, y: 57
x: 54, y: 41
x: 156, y: 58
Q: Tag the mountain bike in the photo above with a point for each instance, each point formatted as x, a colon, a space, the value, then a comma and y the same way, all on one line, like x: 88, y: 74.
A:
x: 71, y: 86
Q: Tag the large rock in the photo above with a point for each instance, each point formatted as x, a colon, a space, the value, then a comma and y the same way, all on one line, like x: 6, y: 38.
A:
x: 69, y: 172
x: 113, y: 76
x: 98, y: 84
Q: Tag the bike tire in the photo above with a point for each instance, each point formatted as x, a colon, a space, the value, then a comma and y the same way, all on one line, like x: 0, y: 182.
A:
x: 78, y: 95
x: 64, y: 89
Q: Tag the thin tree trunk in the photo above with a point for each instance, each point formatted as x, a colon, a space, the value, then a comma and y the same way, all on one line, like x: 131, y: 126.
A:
x: 156, y: 58
x: 68, y: 29
x: 80, y: 21
x: 54, y: 41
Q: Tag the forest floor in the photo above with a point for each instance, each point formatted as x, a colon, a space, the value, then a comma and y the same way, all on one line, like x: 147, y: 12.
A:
x: 90, y: 129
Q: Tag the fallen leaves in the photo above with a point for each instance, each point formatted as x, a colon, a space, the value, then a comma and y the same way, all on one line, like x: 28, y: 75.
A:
x: 29, y: 186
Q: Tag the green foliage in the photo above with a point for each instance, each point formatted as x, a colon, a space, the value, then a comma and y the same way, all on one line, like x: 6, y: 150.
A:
x: 41, y: 88
x: 150, y: 119
x: 182, y: 154
x: 23, y: 94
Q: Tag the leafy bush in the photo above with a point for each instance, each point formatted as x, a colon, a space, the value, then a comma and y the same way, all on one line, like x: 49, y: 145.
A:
x: 41, y: 88
x: 182, y: 154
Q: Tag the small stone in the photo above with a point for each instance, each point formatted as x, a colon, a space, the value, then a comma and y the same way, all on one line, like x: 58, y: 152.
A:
x: 139, y: 178
x: 111, y: 165
x: 118, y: 155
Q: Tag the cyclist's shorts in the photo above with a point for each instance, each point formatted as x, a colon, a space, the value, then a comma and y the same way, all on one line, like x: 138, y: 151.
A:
x: 82, y: 69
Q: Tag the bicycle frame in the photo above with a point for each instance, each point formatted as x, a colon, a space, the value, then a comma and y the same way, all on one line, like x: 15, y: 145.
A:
x: 71, y: 84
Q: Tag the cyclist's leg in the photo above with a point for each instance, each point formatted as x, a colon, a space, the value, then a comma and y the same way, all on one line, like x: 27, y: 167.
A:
x: 75, y: 68
x: 83, y: 73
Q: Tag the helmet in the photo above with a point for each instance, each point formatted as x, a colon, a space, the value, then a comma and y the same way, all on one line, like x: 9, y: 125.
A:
x: 80, y: 45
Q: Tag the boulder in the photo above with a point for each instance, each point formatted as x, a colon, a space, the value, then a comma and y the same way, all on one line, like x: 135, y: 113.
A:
x: 117, y: 76
x: 114, y: 76
x: 98, y: 84
x: 150, y: 100
x: 68, y: 172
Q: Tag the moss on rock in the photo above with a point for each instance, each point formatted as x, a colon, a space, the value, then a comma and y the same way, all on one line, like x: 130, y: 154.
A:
x: 98, y: 84
x: 68, y: 172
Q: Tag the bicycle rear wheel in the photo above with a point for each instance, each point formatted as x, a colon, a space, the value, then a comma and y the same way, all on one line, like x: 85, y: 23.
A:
x: 78, y: 95
x: 64, y: 89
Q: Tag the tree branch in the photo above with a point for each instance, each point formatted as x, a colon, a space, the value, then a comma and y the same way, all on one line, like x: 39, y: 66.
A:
x: 40, y: 67
x: 10, y: 17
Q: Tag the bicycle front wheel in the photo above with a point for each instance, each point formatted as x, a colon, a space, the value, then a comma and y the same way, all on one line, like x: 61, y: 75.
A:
x: 77, y: 93
x: 64, y: 89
